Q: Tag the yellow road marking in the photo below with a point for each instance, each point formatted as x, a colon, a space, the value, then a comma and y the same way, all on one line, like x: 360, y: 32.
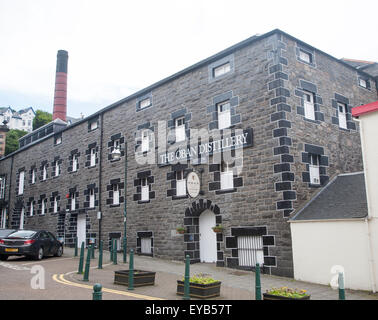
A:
x: 62, y: 280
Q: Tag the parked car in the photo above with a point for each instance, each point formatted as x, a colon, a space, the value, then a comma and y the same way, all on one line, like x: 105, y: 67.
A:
x: 30, y: 243
x: 6, y: 232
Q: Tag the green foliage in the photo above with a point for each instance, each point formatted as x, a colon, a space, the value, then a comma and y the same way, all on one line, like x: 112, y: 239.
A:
x: 287, y: 292
x: 41, y: 118
x: 201, y: 279
x: 11, y: 144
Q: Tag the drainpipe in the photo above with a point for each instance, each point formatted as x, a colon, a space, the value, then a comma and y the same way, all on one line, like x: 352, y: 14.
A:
x: 10, y: 193
x: 100, y: 179
x: 368, y: 218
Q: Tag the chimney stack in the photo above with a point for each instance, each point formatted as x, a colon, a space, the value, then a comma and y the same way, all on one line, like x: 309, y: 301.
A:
x: 60, y: 96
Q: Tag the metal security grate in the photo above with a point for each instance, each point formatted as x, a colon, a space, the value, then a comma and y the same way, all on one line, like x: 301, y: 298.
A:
x: 250, y: 251
x: 146, y: 245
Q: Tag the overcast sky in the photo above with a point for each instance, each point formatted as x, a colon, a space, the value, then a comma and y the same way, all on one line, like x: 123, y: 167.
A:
x: 119, y: 47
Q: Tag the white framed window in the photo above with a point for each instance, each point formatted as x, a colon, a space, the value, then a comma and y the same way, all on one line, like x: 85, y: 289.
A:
x: 33, y: 174
x: 44, y: 173
x: 144, y: 103
x: 21, y: 182
x: 93, y: 157
x: 180, y: 129
x: 91, y: 198
x: 57, y: 169
x: 314, y: 169
x: 227, y: 176
x: 93, y: 125
x: 224, y: 115
x: 145, y: 141
x: 180, y: 184
x: 309, y: 107
x: 3, y: 220
x: 115, y: 194
x: 305, y: 56
x: 44, y: 207
x: 74, y: 163
x: 362, y: 83
x: 2, y: 187
x: 31, y: 208
x: 58, y: 140
x: 73, y: 202
x: 116, y: 144
x: 222, y: 69
x: 22, y: 218
x: 250, y: 251
x: 55, y: 204
x: 342, y: 115
x: 145, y: 190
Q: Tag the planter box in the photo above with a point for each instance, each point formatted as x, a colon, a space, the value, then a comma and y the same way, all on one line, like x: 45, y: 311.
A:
x: 268, y: 296
x: 202, y: 291
x: 141, y: 278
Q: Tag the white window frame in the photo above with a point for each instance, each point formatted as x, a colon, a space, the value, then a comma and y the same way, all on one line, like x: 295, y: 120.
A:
x: 144, y: 103
x: 342, y: 115
x: 44, y: 173
x: 21, y: 182
x: 115, y: 194
x: 2, y: 187
x: 145, y: 141
x: 32, y: 208
x: 224, y: 115
x: 180, y: 184
x: 227, y: 176
x: 93, y: 125
x: 44, y: 207
x: 93, y: 157
x: 91, y: 198
x: 180, y: 129
x: 222, y: 69
x: 3, y: 220
x: 362, y: 83
x: 33, y: 176
x: 250, y: 250
x: 58, y: 140
x: 74, y: 163
x: 55, y: 204
x: 145, y: 189
x: 57, y: 169
x: 305, y: 56
x: 314, y: 169
x: 309, y: 105
x: 73, y: 202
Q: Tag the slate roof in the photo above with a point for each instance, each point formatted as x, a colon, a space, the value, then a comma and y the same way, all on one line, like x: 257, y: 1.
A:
x: 343, y: 198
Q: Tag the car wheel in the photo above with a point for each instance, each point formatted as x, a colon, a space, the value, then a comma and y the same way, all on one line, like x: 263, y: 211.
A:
x: 39, y: 255
x: 3, y: 257
x: 59, y: 252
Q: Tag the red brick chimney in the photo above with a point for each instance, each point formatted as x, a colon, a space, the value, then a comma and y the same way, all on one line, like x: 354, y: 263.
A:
x: 60, y: 96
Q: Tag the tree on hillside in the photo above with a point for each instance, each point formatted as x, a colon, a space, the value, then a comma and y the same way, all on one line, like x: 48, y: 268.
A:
x: 41, y: 118
x: 11, y: 143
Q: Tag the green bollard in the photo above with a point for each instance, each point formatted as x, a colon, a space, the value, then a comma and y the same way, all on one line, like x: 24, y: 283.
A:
x: 100, y: 256
x: 131, y: 270
x: 87, y: 265
x: 81, y: 261
x: 97, y: 294
x: 341, y: 286
x: 93, y: 251
x: 187, y: 279
x: 124, y: 249
x: 75, y: 242
x: 115, y: 252
x: 257, y: 282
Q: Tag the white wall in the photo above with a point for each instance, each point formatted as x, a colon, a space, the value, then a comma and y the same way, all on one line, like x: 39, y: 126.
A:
x: 318, y: 246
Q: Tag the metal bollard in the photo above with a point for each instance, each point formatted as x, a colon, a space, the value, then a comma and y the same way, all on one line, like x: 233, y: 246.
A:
x: 87, y: 265
x: 115, y: 252
x: 131, y: 270
x: 97, y: 294
x: 93, y: 251
x: 187, y: 279
x: 257, y: 283
x: 75, y: 242
x: 341, y: 286
x: 100, y: 255
x: 81, y: 261
x: 124, y: 249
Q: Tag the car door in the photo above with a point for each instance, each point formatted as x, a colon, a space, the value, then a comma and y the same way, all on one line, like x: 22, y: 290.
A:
x: 45, y: 242
x: 54, y: 243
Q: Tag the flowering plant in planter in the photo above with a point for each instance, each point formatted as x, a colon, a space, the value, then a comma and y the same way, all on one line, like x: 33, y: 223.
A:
x: 286, y: 293
x: 180, y: 230
x: 200, y: 286
x: 218, y: 228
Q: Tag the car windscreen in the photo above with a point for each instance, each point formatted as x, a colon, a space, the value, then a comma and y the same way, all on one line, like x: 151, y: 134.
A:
x: 22, y: 234
x: 4, y: 233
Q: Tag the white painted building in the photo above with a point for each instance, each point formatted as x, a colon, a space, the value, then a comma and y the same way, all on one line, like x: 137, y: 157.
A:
x: 21, y: 120
x: 338, y: 229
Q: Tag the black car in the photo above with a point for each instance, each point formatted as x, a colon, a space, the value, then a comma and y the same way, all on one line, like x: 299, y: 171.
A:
x: 35, y: 244
x: 6, y: 232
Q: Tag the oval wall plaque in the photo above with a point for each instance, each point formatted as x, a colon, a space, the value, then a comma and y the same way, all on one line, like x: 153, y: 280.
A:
x: 193, y: 184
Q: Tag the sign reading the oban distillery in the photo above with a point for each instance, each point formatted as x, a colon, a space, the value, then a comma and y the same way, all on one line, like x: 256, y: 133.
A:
x: 241, y: 139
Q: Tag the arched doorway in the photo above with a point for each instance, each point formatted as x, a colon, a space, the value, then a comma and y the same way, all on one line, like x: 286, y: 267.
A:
x: 207, y: 237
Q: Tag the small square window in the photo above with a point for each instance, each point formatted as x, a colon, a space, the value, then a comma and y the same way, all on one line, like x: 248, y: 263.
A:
x: 93, y: 125
x: 221, y: 70
x: 363, y: 83
x: 144, y: 103
x: 58, y: 140
x: 305, y: 56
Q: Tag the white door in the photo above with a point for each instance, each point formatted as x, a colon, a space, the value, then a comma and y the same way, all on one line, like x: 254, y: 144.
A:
x: 145, y: 245
x: 208, y: 238
x: 81, y: 229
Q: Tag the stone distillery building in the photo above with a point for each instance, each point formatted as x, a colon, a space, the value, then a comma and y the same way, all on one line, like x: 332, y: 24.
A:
x: 241, y: 139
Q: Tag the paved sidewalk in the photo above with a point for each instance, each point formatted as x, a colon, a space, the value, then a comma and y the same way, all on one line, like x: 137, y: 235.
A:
x: 236, y: 284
